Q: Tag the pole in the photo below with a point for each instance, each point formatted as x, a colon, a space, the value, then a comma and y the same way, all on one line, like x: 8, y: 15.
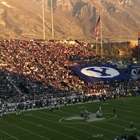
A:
x: 138, y: 48
x: 138, y: 45
x: 52, y: 19
x: 119, y: 51
x: 43, y: 21
x: 96, y: 46
x: 101, y: 37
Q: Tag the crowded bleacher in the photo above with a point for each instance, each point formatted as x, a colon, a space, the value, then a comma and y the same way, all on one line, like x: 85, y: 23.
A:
x: 37, y: 69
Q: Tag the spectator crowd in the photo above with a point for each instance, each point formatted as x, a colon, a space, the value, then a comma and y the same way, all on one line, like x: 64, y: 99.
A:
x: 37, y: 68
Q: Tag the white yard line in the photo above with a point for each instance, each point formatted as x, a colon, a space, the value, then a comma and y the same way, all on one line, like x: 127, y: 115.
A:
x: 74, y: 127
x: 46, y: 128
x: 26, y: 130
x: 75, y: 121
x: 68, y: 125
x: 9, y: 135
x: 112, y: 110
x: 106, y: 121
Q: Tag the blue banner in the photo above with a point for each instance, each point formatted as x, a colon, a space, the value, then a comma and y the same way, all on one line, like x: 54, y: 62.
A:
x: 134, y: 71
x: 99, y: 73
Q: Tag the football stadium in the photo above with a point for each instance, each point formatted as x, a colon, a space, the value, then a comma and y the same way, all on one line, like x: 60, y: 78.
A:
x: 64, y: 92
x: 54, y: 85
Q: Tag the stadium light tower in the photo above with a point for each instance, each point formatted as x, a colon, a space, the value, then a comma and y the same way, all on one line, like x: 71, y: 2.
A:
x: 43, y: 20
x: 52, y: 19
x: 138, y: 46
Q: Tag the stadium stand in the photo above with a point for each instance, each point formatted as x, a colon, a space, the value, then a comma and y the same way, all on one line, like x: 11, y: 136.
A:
x: 35, y: 68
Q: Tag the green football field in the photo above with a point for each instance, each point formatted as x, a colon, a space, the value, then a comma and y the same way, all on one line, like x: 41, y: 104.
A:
x: 66, y: 123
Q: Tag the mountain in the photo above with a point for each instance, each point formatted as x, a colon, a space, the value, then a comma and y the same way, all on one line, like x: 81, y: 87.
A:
x: 73, y: 19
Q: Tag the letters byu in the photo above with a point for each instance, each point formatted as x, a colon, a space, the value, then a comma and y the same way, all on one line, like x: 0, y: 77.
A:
x: 100, y: 72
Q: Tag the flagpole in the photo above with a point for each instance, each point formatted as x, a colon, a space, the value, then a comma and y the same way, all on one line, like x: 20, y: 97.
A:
x: 96, y: 45
x: 43, y: 20
x: 101, y: 37
x: 97, y: 30
x: 52, y: 19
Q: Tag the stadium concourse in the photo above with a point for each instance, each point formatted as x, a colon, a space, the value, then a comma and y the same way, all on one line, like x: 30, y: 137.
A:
x: 37, y: 69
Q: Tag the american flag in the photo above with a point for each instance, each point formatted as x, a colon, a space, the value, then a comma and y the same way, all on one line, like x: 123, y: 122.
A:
x: 97, y: 28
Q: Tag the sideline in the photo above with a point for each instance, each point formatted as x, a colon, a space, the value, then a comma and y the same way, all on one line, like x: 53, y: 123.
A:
x: 46, y: 107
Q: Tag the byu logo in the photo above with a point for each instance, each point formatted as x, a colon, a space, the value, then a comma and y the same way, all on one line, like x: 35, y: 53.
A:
x: 135, y: 72
x: 100, y: 72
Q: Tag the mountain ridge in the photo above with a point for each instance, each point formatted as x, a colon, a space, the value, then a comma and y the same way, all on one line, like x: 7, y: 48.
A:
x: 73, y: 19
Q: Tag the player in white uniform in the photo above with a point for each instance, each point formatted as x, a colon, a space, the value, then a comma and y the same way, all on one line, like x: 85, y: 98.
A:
x: 100, y: 110
x: 18, y: 110
x: 97, y: 114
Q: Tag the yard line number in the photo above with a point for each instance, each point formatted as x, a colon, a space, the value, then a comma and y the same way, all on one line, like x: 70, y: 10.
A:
x: 97, y: 135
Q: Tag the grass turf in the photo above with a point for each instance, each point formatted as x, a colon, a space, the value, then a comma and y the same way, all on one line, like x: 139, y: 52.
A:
x: 43, y: 124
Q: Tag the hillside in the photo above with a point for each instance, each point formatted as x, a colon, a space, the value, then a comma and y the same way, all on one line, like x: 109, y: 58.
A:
x: 73, y: 19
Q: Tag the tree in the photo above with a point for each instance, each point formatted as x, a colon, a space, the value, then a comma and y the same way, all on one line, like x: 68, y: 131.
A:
x: 134, y: 52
